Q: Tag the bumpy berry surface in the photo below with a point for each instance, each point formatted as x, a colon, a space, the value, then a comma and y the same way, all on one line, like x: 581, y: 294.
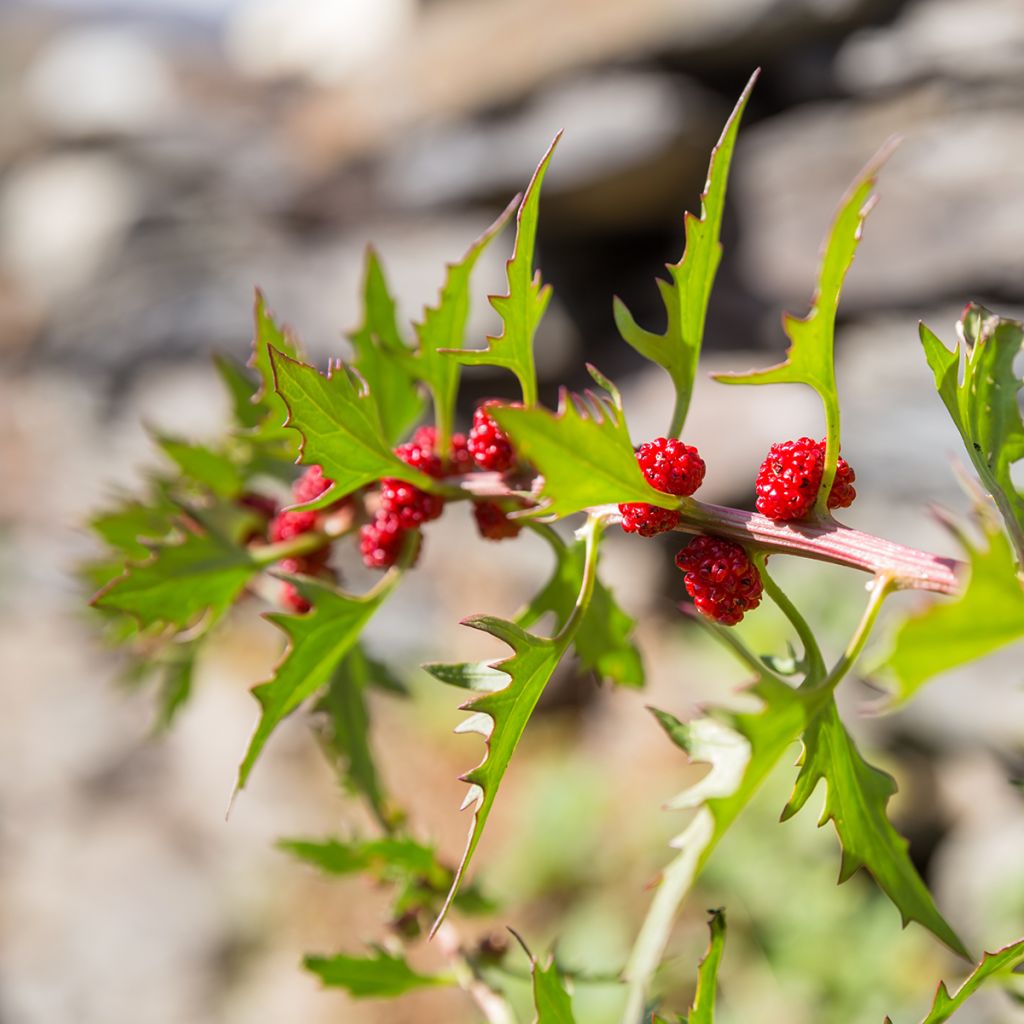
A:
x: 788, y: 480
x: 721, y: 579
x: 421, y: 454
x: 647, y: 520
x: 669, y: 465
x: 310, y: 485
x: 488, y: 443
x: 461, y: 458
x: 493, y: 523
x: 409, y: 504
x: 380, y: 541
x: 286, y: 525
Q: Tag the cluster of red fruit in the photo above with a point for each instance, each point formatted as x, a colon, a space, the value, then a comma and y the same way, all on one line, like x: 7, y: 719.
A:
x: 399, y: 509
x: 719, y: 575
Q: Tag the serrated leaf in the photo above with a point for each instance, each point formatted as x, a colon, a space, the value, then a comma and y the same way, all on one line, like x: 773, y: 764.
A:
x: 988, y: 615
x: 550, y: 998
x: 1000, y: 962
x: 128, y: 526
x: 346, y: 731
x: 382, y: 357
x: 388, y: 859
x: 381, y: 975
x: 211, y: 469
x: 318, y: 642
x: 339, y: 426
x: 501, y: 716
x: 269, y: 334
x: 603, y: 639
x: 857, y: 796
x: 703, y: 1009
x: 810, y: 358
x: 686, y: 296
x: 242, y: 390
x: 583, y: 453
x: 443, y: 327
x: 202, y: 573
x: 523, y: 307
x: 984, y: 405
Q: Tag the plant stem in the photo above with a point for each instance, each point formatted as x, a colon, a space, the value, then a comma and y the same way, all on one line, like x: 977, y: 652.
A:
x: 303, y: 544
x: 815, y: 663
x: 591, y: 534
x: 828, y: 474
x: 493, y: 1006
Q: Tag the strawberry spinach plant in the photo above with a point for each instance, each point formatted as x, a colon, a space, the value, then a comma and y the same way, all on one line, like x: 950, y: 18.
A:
x: 366, y: 454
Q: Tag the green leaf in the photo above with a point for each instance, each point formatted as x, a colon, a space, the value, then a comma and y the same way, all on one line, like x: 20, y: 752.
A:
x: 550, y: 997
x: 175, y: 684
x: 603, y: 639
x: 340, y: 427
x: 269, y: 335
x: 382, y: 357
x: 500, y: 716
x: 686, y: 296
x: 988, y: 615
x: 810, y: 358
x: 984, y: 406
x: 318, y: 641
x: 211, y: 469
x: 381, y: 975
x: 346, y: 731
x: 128, y: 526
x: 443, y: 328
x: 856, y: 800
x: 242, y: 391
x: 703, y: 1009
x: 583, y: 453
x: 523, y: 307
x: 396, y: 858
x: 203, y: 573
x: 1001, y: 962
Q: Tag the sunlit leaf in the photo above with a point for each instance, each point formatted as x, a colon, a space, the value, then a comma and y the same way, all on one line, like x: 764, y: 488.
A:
x: 381, y: 975
x: 686, y: 296
x: 583, y: 452
x: 984, y: 405
x: 856, y: 801
x: 988, y: 615
x: 444, y: 326
x: 205, y: 466
x: 703, y: 1009
x: 268, y: 334
x: 527, y: 299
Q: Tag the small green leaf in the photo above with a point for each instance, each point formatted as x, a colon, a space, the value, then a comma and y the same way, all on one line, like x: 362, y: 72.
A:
x: 318, y: 641
x: 382, y: 357
x: 984, y: 406
x: 340, y: 427
x: 988, y: 615
x: 396, y: 858
x: 686, y: 296
x: 381, y: 976
x: 550, y: 997
x: 128, y: 526
x: 523, y: 307
x: 603, y: 639
x: 856, y: 800
x: 583, y: 453
x: 478, y: 675
x: 242, y: 390
x: 443, y: 327
x: 810, y: 358
x: 703, y: 1009
x: 202, y: 573
x: 211, y: 469
x: 1001, y: 962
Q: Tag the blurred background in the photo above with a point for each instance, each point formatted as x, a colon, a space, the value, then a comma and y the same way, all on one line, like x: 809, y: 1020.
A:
x: 159, y: 158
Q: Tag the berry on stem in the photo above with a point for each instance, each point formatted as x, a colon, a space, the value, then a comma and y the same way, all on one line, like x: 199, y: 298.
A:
x: 380, y: 541
x: 312, y: 564
x: 421, y: 454
x: 411, y: 506
x: 493, y: 522
x: 489, y: 445
x: 788, y: 480
x: 721, y: 579
x: 286, y: 525
x: 310, y: 485
x: 670, y: 466
x: 647, y: 520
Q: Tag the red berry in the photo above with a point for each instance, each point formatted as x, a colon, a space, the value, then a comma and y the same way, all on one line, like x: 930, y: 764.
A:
x: 292, y: 599
x: 381, y: 541
x: 286, y: 525
x: 488, y: 443
x: 461, y: 458
x: 420, y: 452
x: 671, y: 466
x: 310, y: 485
x: 493, y: 522
x: 409, y: 504
x: 720, y: 578
x: 647, y: 520
x: 788, y: 480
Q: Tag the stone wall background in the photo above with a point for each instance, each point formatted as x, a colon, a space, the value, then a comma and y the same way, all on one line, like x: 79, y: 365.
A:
x: 158, y: 159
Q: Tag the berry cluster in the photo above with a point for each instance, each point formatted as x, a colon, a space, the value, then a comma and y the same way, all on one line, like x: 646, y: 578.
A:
x: 719, y: 575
